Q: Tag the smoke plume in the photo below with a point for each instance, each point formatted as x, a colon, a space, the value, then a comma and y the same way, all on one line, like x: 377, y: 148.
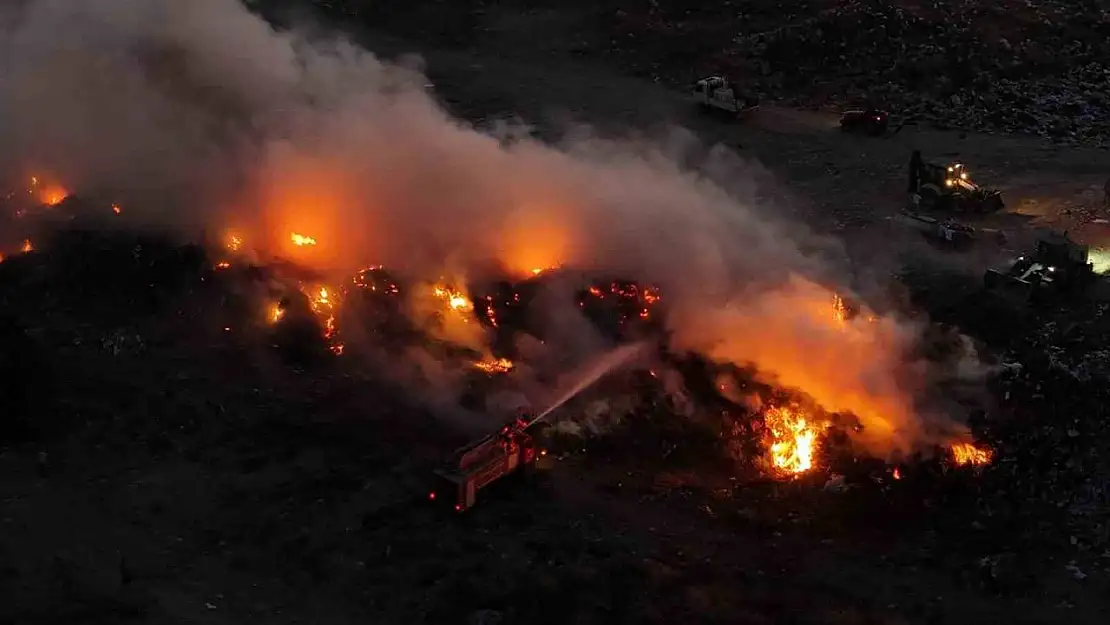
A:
x: 200, y: 113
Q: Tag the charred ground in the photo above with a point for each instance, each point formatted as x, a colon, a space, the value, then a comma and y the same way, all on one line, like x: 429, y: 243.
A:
x: 163, y: 463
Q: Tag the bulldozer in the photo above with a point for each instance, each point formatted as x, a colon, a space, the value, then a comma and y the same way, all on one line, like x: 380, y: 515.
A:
x: 948, y: 187
x: 718, y: 94
x: 1057, y: 267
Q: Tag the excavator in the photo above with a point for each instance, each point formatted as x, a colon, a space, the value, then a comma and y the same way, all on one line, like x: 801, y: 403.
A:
x: 948, y: 187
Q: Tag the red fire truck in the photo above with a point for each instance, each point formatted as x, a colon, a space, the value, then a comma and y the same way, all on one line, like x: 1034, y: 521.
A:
x: 513, y: 449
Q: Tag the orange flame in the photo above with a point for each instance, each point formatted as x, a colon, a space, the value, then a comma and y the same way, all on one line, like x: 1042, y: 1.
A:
x: 967, y: 454
x: 500, y: 365
x: 276, y: 313
x: 48, y: 194
x: 454, y: 298
x: 223, y: 264
x: 234, y: 242
x: 116, y: 209
x: 793, y: 440
x: 324, y: 304
x: 840, y: 310
x: 301, y: 240
x: 27, y: 246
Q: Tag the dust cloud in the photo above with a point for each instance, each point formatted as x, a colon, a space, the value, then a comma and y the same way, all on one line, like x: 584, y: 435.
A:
x: 199, y: 113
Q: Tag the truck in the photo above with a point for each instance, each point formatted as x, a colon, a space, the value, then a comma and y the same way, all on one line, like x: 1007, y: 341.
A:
x: 718, y: 94
x: 870, y: 121
x: 949, y: 187
x: 513, y: 450
x: 1057, y: 267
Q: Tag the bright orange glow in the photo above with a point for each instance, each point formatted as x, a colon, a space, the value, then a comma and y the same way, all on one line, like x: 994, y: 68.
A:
x: 500, y: 365
x: 794, y: 341
x: 276, y: 313
x: 47, y: 193
x: 896, y: 474
x: 324, y: 305
x: 27, y: 246
x: 234, y: 242
x: 301, y: 240
x: 793, y: 439
x: 536, y: 238
x: 968, y: 454
x: 116, y: 209
x: 454, y: 298
x: 840, y: 310
x: 223, y: 264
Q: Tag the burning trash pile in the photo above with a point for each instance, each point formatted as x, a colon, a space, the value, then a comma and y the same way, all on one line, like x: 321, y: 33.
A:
x: 371, y: 229
x: 485, y: 337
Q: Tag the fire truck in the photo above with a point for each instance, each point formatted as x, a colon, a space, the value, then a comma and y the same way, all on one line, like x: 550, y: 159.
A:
x: 512, y: 450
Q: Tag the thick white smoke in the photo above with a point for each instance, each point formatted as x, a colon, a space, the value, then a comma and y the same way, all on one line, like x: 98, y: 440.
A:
x: 199, y: 112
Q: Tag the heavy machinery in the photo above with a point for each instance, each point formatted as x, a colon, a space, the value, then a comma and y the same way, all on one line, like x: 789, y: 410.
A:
x: 945, y: 231
x: 716, y: 93
x: 1058, y: 266
x: 871, y: 121
x: 949, y: 187
x: 513, y: 450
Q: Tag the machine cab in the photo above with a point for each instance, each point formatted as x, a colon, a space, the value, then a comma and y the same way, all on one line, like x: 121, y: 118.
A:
x: 709, y: 85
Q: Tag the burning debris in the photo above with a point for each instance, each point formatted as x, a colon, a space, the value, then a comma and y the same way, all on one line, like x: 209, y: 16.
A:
x: 301, y: 240
x: 965, y: 454
x: 499, y: 365
x: 793, y: 439
x: 679, y: 231
x: 455, y: 299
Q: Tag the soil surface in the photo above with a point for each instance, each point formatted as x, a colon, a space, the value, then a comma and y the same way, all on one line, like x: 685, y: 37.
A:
x: 176, y: 473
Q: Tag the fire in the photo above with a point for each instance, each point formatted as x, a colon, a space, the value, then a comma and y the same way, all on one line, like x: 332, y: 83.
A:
x: 500, y: 365
x: 234, y: 242
x: 324, y: 304
x: 116, y: 209
x: 968, y: 454
x: 27, y: 246
x: 223, y: 264
x: 276, y: 313
x: 793, y: 440
x: 301, y: 240
x: 48, y: 194
x: 375, y: 279
x: 454, y: 298
x: 840, y: 310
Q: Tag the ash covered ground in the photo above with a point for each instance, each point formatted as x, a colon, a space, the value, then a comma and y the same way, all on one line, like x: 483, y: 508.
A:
x: 181, y: 443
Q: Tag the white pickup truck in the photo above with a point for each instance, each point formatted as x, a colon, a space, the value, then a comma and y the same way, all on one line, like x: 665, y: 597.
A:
x: 715, y: 93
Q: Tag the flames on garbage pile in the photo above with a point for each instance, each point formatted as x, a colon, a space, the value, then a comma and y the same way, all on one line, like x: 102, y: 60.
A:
x: 792, y: 439
x: 499, y: 365
x: 47, y: 193
x: 968, y: 454
x: 454, y: 298
x: 632, y: 301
